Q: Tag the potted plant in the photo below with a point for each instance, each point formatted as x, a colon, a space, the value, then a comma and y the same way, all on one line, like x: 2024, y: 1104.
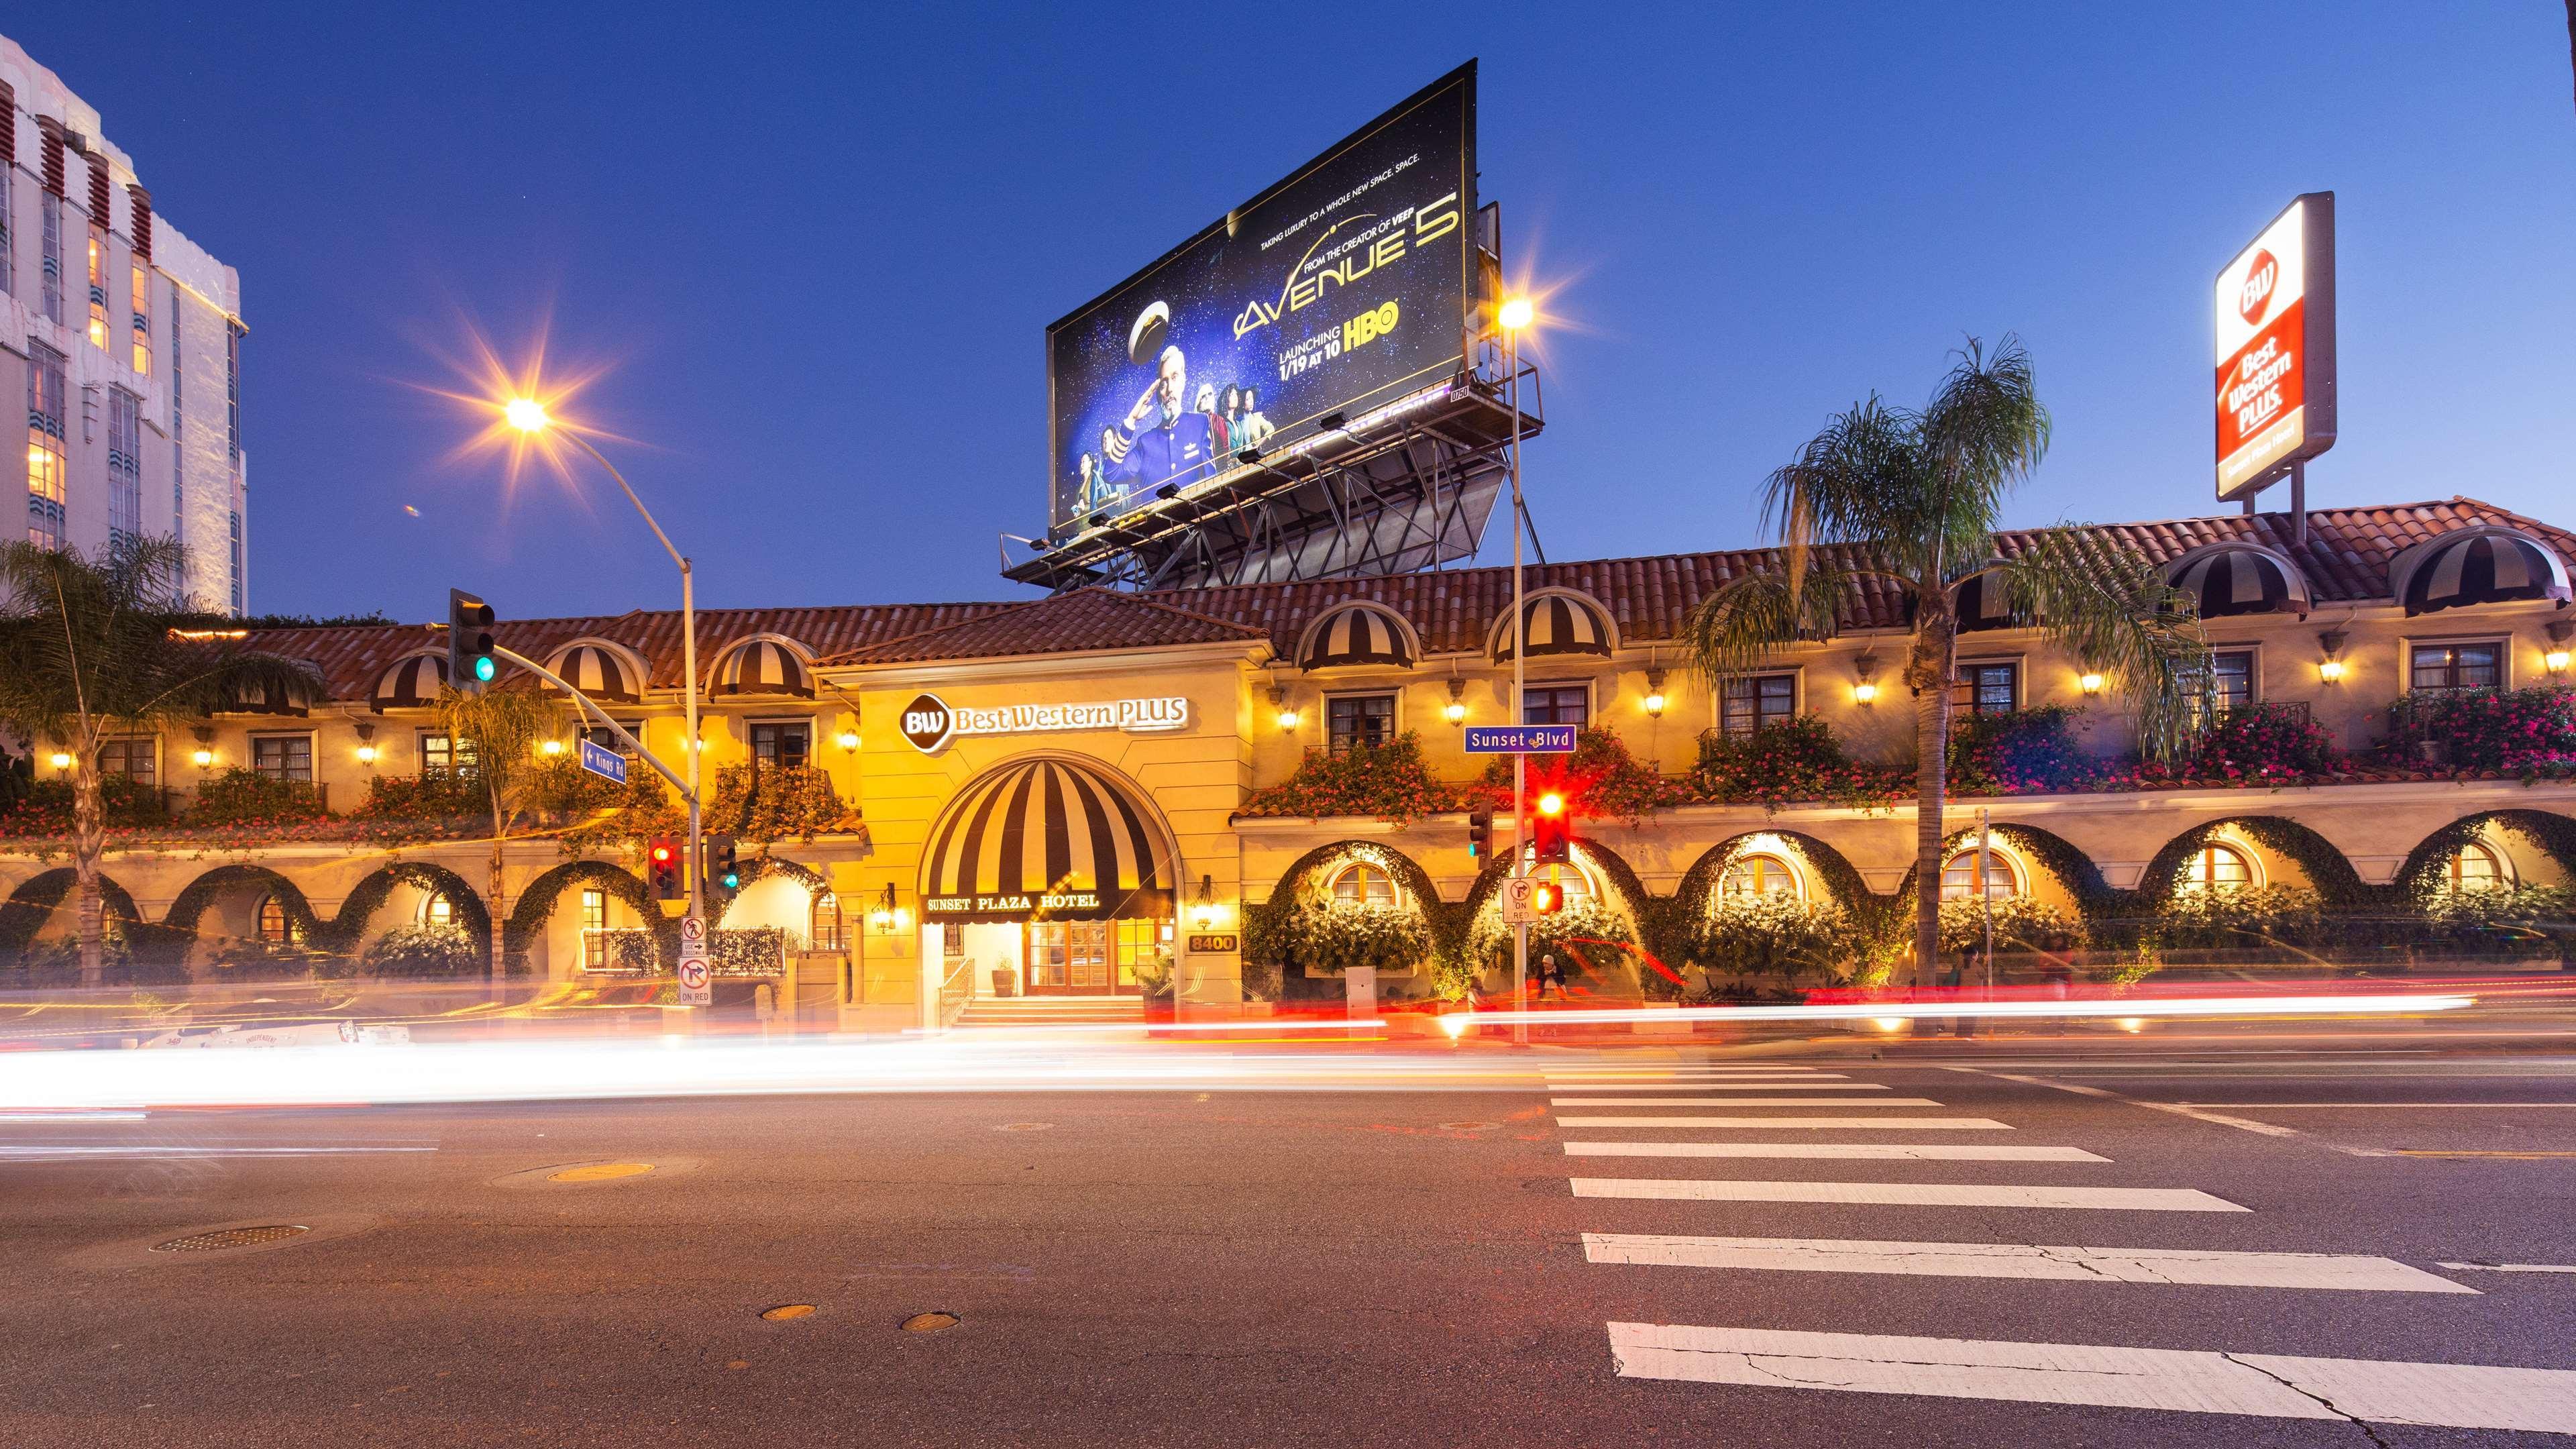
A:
x: 1154, y: 979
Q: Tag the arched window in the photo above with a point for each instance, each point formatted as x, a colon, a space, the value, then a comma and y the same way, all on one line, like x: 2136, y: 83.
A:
x: 1363, y: 884
x: 274, y: 926
x: 2474, y: 867
x: 1759, y: 876
x: 826, y: 934
x: 1959, y: 877
x: 2217, y: 868
x: 437, y: 911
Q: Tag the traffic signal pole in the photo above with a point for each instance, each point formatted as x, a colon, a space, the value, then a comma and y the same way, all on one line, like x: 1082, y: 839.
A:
x: 1520, y: 701
x: 614, y: 728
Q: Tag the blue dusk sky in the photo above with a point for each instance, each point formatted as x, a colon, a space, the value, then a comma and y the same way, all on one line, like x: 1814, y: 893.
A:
x: 809, y: 252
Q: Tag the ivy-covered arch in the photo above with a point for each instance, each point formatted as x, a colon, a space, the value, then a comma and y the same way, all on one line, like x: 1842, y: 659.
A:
x: 191, y: 906
x: 2339, y: 887
x: 1265, y: 922
x: 26, y: 910
x: 2551, y: 834
x: 1837, y: 874
x: 2094, y: 895
x: 472, y: 915
x: 536, y: 906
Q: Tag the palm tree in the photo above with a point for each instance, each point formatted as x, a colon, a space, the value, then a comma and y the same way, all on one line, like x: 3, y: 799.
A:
x: 1908, y: 502
x: 504, y: 725
x: 88, y: 650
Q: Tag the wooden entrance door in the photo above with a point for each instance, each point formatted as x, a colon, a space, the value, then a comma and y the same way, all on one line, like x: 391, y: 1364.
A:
x: 1069, y: 958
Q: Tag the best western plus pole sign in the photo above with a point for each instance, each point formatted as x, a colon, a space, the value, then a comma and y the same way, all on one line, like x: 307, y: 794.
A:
x: 2276, y: 349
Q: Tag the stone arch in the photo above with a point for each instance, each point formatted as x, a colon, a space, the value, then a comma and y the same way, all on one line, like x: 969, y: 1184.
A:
x: 33, y: 903
x: 1833, y: 870
x: 473, y: 914
x: 2552, y: 834
x: 190, y: 908
x: 537, y: 902
x: 1620, y: 886
x: 2046, y: 850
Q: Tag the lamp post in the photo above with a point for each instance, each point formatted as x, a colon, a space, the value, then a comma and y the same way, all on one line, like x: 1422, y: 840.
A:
x: 1514, y: 316
x: 529, y: 416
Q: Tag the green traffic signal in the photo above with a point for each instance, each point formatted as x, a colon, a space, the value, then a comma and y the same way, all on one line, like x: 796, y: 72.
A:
x: 483, y: 668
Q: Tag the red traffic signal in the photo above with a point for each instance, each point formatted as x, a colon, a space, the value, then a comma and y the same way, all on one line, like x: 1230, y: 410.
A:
x: 662, y: 870
x: 1548, y: 842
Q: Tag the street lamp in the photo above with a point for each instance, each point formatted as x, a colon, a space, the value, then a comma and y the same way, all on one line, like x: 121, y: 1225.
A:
x: 529, y: 416
x: 1516, y: 315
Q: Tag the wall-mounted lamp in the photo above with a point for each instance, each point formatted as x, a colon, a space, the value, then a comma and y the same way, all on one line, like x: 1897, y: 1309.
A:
x: 2330, y: 669
x: 205, y: 754
x: 849, y: 742
x: 2091, y: 683
x: 1203, y: 909
x: 1286, y: 713
x: 1455, y: 711
x: 1865, y: 669
x: 550, y: 748
x: 1654, y: 694
x: 60, y: 760
x: 366, y: 742
x: 887, y: 917
x: 2556, y: 657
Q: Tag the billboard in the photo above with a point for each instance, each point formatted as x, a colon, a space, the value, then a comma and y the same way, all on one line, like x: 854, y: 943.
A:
x: 1343, y: 287
x: 2276, y: 349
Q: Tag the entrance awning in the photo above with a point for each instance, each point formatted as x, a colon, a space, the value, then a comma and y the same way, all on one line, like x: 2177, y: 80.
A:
x: 1045, y: 839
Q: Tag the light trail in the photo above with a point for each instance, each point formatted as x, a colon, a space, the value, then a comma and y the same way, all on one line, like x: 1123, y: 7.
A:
x: 1903, y: 1011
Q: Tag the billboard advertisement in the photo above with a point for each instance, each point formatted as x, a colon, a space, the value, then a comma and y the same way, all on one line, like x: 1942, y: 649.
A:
x: 2276, y: 349
x: 1345, y: 286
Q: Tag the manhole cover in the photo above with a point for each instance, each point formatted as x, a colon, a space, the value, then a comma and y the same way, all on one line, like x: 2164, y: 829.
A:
x: 230, y: 1238
x: 600, y: 1172
x: 1024, y: 1127
x: 785, y: 1311
x: 929, y: 1322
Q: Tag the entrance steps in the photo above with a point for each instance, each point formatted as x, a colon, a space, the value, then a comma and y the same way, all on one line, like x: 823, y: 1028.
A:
x: 1010, y: 1011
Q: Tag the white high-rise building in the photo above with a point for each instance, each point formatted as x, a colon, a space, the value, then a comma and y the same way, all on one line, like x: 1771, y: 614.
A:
x: 124, y: 337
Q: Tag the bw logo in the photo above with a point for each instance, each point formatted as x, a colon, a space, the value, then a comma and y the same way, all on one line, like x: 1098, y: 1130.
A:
x: 926, y: 723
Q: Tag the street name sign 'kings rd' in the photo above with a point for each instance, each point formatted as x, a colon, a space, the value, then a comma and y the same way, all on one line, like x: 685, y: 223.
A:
x: 1520, y: 739
x: 602, y: 761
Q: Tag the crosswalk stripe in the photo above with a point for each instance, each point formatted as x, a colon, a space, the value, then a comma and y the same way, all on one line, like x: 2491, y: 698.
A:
x: 1909, y: 1194
x: 1909, y: 1124
x: 2279, y: 1386
x: 1866, y: 1105
x: 1794, y: 1084
x: 1845, y: 1151
x: 1634, y: 1074
x: 2022, y: 1260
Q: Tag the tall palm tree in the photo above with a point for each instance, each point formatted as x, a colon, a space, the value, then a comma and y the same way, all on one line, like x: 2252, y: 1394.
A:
x: 87, y: 651
x: 505, y: 724
x: 1907, y: 503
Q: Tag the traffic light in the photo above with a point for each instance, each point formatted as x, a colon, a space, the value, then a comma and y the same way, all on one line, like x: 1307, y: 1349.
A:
x: 1546, y: 897
x: 1480, y: 833
x: 1548, y: 845
x: 721, y: 871
x: 470, y: 664
x: 662, y: 869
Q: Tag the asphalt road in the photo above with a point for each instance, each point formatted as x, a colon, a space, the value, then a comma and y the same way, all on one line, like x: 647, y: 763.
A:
x: 1335, y: 1267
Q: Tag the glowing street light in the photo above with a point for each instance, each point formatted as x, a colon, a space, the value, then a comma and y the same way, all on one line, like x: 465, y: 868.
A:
x: 1517, y: 314
x: 526, y: 414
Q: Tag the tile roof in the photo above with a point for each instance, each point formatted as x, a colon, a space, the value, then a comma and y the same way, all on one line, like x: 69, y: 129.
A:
x: 2346, y: 558
x: 1084, y: 619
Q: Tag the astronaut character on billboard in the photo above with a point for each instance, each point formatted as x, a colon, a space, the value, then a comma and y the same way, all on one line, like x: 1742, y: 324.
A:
x: 1162, y: 439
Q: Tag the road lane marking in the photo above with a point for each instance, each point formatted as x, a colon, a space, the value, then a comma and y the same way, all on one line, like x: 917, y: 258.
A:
x: 1909, y: 1194
x: 2436, y: 1395
x: 1801, y: 1074
x: 2022, y: 1260
x: 1840, y: 1151
x: 2178, y: 1109
x: 1792, y: 1085
x: 1871, y: 1103
x: 2410, y: 1106
x: 1909, y: 1124
x: 2509, y: 1267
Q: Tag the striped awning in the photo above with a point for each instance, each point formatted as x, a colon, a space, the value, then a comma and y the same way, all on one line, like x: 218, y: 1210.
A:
x: 1044, y: 839
x: 2239, y: 578
x: 599, y: 672
x: 2489, y: 565
x: 411, y: 683
x: 270, y: 699
x: 1559, y: 624
x: 1357, y: 634
x: 1978, y: 602
x: 763, y: 666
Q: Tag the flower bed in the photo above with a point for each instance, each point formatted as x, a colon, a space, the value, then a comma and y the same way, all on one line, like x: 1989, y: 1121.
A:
x: 1389, y: 781
x: 2521, y: 731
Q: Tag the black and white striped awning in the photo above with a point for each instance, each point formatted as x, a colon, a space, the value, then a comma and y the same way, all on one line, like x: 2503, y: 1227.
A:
x: 1979, y: 602
x: 599, y: 672
x: 270, y: 699
x: 1357, y: 634
x: 412, y: 683
x: 2239, y: 578
x: 2486, y: 565
x: 1559, y: 624
x: 1046, y: 839
x: 763, y: 666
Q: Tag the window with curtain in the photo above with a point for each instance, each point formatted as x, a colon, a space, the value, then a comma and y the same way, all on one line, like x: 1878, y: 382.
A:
x: 786, y: 745
x: 1557, y: 704
x: 1364, y: 720
x: 46, y: 465
x: 134, y: 759
x: 2217, y: 868
x: 1363, y: 884
x: 1760, y: 876
x: 283, y: 757
x: 275, y: 928
x: 1987, y: 689
x: 594, y: 929
x: 2439, y: 667
x: 1750, y: 703
x: 1959, y: 877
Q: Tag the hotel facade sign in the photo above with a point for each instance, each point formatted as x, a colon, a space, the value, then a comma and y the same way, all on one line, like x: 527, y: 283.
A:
x: 2275, y: 309
x: 930, y: 723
